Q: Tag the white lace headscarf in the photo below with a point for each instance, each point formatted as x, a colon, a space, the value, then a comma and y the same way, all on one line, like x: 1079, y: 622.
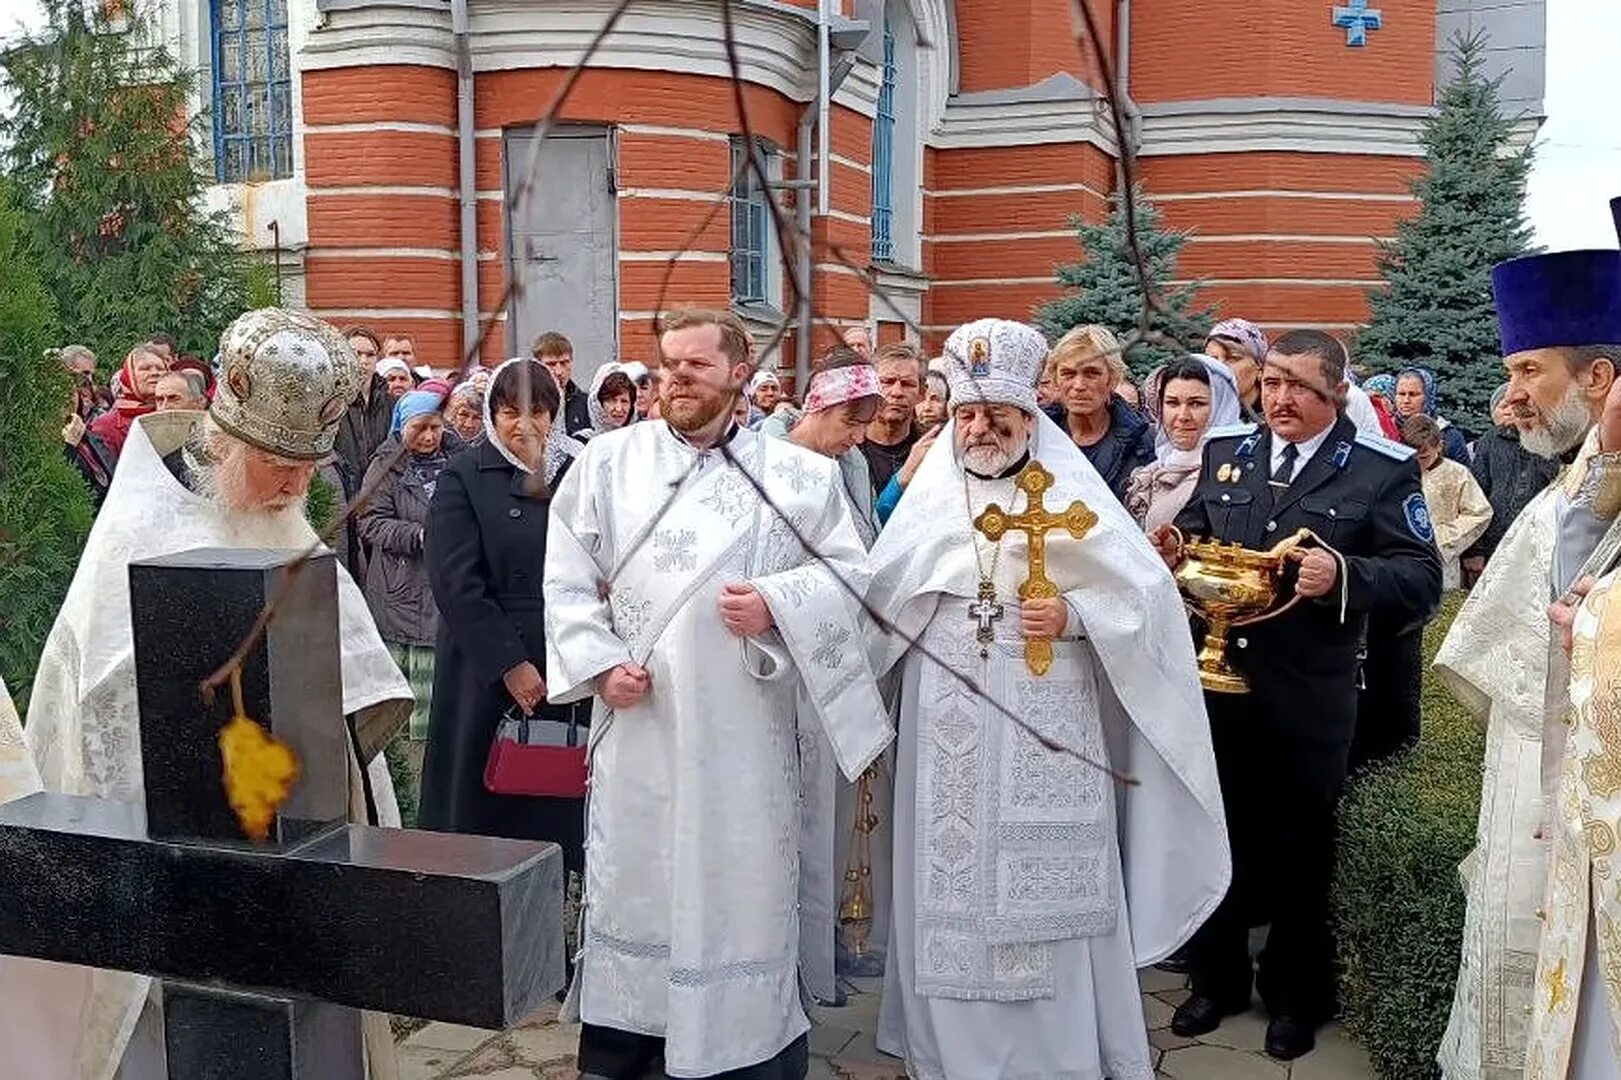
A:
x: 560, y: 447
x: 1224, y: 411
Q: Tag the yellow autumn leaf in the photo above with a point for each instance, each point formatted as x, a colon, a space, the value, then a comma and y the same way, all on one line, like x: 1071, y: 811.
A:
x: 260, y: 771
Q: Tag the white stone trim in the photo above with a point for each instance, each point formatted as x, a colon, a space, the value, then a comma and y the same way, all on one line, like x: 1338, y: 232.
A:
x: 368, y: 126
x: 853, y: 219
x: 840, y: 159
x: 968, y: 238
x: 1309, y: 125
x: 1014, y: 189
x: 384, y: 189
x: 1275, y: 193
x: 1020, y: 123
x: 384, y: 253
x: 694, y: 255
x: 776, y: 43
x: 1045, y: 279
x: 1282, y: 238
x: 661, y: 131
x: 677, y: 194
x: 1322, y: 282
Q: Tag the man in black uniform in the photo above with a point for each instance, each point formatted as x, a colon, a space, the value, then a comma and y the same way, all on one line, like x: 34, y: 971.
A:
x: 1281, y: 750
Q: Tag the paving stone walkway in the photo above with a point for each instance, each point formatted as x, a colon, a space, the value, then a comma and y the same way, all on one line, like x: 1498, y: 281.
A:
x: 842, y: 1046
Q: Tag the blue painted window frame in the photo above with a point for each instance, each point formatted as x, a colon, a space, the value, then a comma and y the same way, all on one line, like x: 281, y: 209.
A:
x: 253, y: 90
x: 751, y: 227
x: 883, y: 156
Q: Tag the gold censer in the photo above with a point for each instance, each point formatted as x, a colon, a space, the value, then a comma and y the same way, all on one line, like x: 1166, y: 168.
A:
x: 1229, y: 586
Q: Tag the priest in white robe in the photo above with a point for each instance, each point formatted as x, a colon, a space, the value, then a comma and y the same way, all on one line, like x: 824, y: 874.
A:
x: 1499, y: 658
x: 685, y: 602
x: 234, y: 477
x: 1029, y: 883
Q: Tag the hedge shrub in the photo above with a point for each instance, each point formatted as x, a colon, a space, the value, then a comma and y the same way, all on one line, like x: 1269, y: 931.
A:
x: 1404, y: 827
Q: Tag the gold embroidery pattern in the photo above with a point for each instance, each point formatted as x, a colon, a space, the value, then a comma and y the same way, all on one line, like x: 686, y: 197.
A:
x: 1600, y: 838
x: 1558, y: 989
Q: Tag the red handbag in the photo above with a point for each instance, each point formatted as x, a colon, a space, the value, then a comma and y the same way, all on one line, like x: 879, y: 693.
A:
x: 537, y: 757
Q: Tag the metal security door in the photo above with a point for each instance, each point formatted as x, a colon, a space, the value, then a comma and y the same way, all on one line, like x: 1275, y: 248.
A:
x: 562, y: 245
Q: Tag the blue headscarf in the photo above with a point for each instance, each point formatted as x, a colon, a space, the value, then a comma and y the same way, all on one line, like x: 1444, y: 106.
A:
x: 412, y: 405
x: 1427, y: 377
x: 1383, y: 384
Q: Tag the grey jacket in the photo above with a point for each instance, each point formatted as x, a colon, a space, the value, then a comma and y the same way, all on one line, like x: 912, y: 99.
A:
x: 392, y: 527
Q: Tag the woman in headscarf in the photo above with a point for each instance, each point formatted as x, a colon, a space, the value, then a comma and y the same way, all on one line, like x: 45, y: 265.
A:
x: 1196, y: 395
x: 612, y: 403
x: 402, y: 478
x: 1242, y: 346
x: 486, y: 552
x: 1459, y: 512
x: 135, y: 388
x: 1381, y: 391
x: 842, y: 400
x: 464, y: 411
x: 1416, y: 396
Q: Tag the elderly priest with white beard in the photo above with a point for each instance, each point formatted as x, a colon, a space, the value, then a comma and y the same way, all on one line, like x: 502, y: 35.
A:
x: 1058, y: 821
x: 234, y: 477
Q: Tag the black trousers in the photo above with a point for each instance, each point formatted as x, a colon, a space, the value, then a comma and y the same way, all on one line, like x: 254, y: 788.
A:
x: 1280, y: 794
x: 1389, y: 707
x: 624, y: 1055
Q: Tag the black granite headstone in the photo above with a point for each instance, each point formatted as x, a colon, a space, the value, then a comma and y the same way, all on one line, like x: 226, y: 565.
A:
x: 268, y: 950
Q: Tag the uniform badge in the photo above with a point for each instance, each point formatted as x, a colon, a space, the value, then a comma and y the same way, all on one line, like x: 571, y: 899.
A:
x: 1417, y: 512
x: 979, y: 358
x: 1225, y: 473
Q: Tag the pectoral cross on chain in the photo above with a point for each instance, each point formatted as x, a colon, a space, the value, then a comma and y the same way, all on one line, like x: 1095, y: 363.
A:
x: 1035, y: 523
x: 986, y: 610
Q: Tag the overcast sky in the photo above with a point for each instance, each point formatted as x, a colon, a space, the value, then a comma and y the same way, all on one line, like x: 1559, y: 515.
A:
x: 1578, y: 164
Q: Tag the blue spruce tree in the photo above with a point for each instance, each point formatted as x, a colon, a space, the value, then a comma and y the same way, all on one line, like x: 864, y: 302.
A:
x: 1435, y: 309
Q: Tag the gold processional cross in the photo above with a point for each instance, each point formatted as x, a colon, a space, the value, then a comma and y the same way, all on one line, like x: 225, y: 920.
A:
x: 1035, y: 522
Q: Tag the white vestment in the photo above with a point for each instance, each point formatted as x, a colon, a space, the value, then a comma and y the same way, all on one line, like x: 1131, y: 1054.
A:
x: 84, y: 735
x: 17, y: 773
x: 1499, y: 662
x: 690, y: 917
x: 1029, y: 886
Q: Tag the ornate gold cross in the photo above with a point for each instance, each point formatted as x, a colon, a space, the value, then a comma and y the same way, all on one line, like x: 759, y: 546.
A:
x: 1035, y: 523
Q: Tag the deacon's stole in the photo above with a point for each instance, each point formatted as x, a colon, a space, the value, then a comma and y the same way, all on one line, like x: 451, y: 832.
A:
x: 658, y: 551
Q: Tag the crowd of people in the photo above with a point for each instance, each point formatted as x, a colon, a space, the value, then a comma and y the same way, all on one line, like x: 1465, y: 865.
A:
x: 741, y: 590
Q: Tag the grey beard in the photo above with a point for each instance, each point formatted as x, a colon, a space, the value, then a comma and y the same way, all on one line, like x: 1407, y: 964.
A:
x: 987, y: 460
x: 1562, y: 429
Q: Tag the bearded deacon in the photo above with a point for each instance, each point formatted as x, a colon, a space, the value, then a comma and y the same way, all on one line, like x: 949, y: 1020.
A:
x: 680, y: 592
x: 235, y: 477
x: 1559, y: 317
x: 1030, y: 884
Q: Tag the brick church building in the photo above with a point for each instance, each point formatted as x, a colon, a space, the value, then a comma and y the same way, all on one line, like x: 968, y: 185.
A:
x: 372, y: 145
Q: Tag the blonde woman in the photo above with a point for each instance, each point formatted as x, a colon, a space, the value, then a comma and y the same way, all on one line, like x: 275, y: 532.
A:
x: 1086, y: 367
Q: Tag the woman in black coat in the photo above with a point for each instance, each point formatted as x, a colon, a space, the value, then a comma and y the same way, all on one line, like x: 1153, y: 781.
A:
x: 486, y: 549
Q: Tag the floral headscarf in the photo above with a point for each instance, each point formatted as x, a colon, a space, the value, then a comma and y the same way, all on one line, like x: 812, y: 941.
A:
x: 1382, y: 385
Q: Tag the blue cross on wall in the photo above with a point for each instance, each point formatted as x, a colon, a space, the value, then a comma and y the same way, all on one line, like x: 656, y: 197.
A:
x: 1356, y: 20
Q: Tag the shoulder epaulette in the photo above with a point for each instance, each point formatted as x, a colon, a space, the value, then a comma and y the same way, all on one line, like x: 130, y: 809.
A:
x: 1232, y: 431
x: 1380, y: 445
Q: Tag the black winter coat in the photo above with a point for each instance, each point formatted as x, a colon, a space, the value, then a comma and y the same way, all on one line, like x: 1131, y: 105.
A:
x: 364, y: 427
x: 486, y: 549
x: 392, y: 528
x: 1364, y: 500
x: 1126, y: 446
x: 1511, y: 476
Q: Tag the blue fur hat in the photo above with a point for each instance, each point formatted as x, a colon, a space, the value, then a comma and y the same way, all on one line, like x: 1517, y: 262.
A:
x: 1566, y: 298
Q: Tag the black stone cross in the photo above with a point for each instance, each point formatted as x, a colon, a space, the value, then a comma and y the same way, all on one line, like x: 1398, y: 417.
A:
x: 268, y: 950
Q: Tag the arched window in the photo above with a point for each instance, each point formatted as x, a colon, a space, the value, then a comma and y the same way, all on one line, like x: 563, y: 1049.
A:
x: 883, y: 153
x: 253, y: 90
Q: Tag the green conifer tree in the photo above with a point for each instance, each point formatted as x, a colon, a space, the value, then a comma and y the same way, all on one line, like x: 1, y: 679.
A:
x: 44, y: 505
x: 107, y: 158
x: 1104, y: 289
x: 1435, y: 309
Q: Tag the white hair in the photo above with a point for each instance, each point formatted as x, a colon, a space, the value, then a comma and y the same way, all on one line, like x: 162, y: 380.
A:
x: 217, y: 461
